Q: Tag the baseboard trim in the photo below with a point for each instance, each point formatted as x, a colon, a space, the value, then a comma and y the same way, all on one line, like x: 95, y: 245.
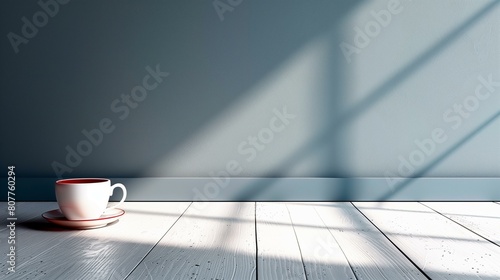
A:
x: 283, y: 189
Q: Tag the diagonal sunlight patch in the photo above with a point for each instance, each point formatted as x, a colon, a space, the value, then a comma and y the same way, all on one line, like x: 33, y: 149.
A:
x: 448, y: 251
x: 149, y: 228
x: 291, y: 89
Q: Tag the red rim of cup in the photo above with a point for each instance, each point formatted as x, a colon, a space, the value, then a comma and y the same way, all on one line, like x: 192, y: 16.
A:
x: 81, y: 181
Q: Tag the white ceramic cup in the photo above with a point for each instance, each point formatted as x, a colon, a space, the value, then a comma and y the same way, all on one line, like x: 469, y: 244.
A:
x: 85, y: 198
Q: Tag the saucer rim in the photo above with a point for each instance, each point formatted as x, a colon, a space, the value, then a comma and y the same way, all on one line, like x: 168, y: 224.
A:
x: 62, y: 218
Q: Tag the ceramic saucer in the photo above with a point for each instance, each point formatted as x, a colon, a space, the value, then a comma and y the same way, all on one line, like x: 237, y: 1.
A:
x: 56, y: 217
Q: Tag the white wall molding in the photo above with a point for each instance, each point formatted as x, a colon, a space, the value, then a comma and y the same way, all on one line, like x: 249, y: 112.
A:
x: 282, y: 189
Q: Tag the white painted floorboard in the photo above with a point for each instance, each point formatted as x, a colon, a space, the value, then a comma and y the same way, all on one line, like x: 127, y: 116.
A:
x: 440, y: 247
x: 482, y: 218
x: 279, y: 255
x: 106, y: 253
x: 210, y: 241
x: 370, y: 253
x: 266, y: 241
x: 323, y: 258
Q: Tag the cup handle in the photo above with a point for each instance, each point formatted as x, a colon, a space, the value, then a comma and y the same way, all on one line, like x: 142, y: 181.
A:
x: 123, y: 197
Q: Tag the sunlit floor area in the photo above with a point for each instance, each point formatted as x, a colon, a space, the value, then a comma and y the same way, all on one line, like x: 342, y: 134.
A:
x: 264, y: 240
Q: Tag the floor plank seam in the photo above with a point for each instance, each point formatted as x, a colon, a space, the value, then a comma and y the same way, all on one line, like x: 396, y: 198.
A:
x: 465, y: 227
x: 159, y: 239
x: 297, y: 239
x: 399, y: 249
x: 333, y: 236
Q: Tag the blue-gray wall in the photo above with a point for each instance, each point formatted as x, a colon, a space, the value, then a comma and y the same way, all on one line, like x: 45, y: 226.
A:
x: 327, y: 88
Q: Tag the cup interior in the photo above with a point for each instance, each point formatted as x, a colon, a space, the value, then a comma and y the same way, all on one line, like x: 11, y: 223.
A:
x: 81, y: 181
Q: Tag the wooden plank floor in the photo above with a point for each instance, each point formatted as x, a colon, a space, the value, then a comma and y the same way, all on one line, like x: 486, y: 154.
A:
x: 442, y: 248
x: 268, y: 240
